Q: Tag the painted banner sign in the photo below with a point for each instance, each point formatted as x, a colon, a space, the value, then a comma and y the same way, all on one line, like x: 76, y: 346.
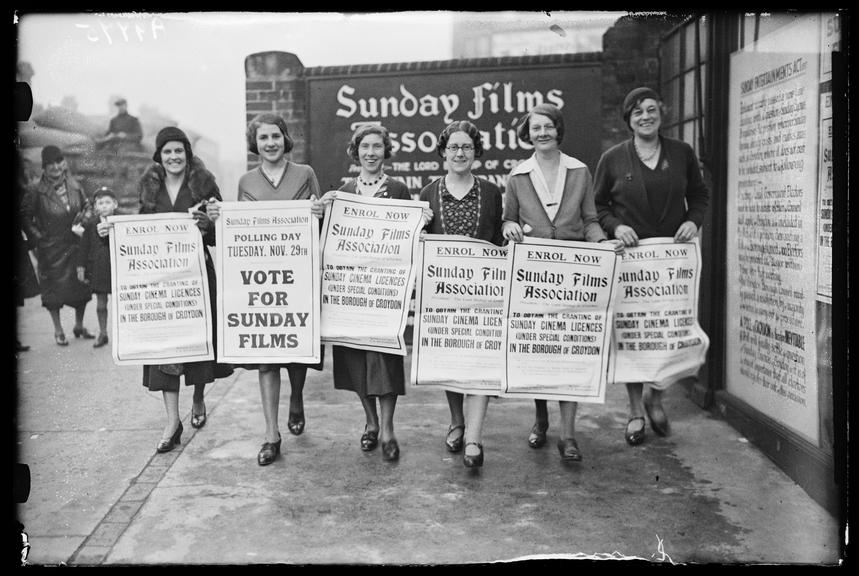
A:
x: 415, y: 106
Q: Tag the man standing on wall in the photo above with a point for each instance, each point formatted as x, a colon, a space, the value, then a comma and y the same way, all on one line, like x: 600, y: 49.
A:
x: 124, y: 128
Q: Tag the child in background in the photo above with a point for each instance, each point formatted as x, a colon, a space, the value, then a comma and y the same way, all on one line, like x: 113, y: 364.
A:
x: 94, y: 266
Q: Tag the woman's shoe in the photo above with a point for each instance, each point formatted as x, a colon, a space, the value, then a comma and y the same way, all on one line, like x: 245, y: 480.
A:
x: 295, y: 423
x: 537, y: 438
x: 172, y: 442
x: 658, y: 420
x: 473, y: 461
x: 637, y: 437
x: 82, y: 333
x: 198, y: 420
x: 100, y: 341
x: 390, y: 450
x: 60, y: 339
x: 569, y: 450
x: 269, y: 452
x: 454, y: 445
x: 369, y: 440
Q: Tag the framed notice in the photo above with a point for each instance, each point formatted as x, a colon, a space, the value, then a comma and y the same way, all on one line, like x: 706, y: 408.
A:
x: 776, y: 226
x: 160, y: 310
x: 459, y: 315
x: 558, y: 309
x: 268, y: 282
x: 368, y: 271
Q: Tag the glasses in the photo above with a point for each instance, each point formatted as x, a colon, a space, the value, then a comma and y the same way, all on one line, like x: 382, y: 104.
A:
x: 466, y: 148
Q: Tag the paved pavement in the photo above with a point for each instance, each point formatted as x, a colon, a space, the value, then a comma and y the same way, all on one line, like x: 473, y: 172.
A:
x: 101, y: 495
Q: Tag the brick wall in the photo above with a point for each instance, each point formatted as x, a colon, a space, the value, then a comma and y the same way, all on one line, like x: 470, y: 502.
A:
x: 274, y: 82
x: 630, y: 59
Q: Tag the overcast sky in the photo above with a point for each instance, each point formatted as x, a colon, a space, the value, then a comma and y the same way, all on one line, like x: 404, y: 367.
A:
x: 190, y: 66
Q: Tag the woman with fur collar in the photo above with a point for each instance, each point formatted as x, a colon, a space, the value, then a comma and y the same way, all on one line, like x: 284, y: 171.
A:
x: 176, y: 182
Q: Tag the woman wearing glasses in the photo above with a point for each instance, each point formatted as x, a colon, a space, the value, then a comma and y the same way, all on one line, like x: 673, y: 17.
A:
x: 470, y: 206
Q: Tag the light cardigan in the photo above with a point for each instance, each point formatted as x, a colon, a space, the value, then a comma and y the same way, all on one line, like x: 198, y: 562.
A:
x: 576, y: 218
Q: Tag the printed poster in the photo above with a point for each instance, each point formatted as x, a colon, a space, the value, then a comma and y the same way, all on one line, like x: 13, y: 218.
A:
x: 558, y: 311
x: 160, y: 308
x: 657, y: 337
x: 268, y: 283
x: 459, y: 315
x: 369, y: 258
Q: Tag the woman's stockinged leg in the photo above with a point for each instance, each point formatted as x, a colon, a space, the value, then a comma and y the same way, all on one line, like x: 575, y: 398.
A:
x: 541, y: 413
x: 199, y: 406
x: 636, y: 405
x: 454, y: 403
x: 171, y: 406
x: 370, y: 413
x: 79, y: 316
x: 387, y: 405
x: 55, y: 318
x: 475, y: 415
x: 456, y: 429
x: 269, y: 387
x: 297, y: 377
x: 101, y: 312
x: 568, y: 419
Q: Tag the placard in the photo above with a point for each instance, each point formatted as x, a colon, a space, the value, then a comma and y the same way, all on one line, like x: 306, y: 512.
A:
x: 160, y: 309
x: 656, y: 334
x: 459, y: 315
x: 558, y: 310
x: 368, y: 271
x: 268, y: 282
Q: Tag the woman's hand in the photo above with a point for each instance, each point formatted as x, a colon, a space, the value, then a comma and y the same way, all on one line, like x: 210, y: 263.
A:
x: 512, y: 231
x: 321, y: 204
x: 427, y: 216
x: 626, y: 235
x: 201, y: 218
x: 618, y: 245
x: 78, y: 230
x: 213, y: 209
x: 103, y: 228
x: 687, y: 231
x: 81, y: 274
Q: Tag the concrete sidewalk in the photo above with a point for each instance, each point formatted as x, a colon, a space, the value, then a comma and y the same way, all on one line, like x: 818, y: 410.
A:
x: 101, y: 495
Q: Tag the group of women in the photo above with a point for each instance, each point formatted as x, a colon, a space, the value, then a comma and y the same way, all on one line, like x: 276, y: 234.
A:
x: 648, y: 186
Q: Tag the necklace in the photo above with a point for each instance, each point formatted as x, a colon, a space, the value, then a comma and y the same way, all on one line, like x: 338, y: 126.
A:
x: 370, y: 188
x: 370, y: 184
x: 650, y: 156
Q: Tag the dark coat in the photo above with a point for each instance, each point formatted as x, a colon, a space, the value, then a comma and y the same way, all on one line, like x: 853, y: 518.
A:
x: 621, y: 198
x: 95, y: 258
x: 199, y: 184
x: 48, y: 225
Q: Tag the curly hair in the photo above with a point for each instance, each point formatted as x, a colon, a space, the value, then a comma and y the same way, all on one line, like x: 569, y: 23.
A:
x: 460, y: 126
x: 268, y: 118
x: 550, y: 111
x: 365, y: 130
